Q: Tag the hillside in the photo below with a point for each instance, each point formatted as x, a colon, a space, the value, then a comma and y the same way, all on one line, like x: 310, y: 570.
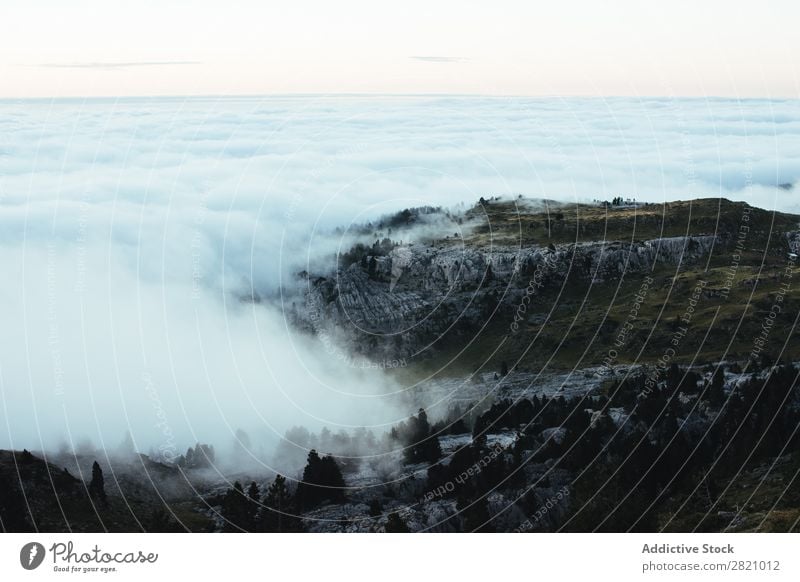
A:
x: 564, y: 368
x: 535, y: 283
x: 142, y: 495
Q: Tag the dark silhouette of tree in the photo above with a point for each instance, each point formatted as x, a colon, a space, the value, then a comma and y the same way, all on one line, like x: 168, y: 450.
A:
x: 236, y: 509
x: 203, y: 455
x: 97, y: 487
x: 322, y: 481
x: 252, y: 492
x: 199, y: 457
x: 278, y: 513
x: 422, y: 445
x: 394, y: 524
x: 253, y: 504
x: 716, y: 392
x: 479, y: 429
x: 674, y: 376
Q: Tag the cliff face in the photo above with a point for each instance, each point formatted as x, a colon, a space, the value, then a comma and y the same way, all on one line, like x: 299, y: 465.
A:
x: 419, y: 296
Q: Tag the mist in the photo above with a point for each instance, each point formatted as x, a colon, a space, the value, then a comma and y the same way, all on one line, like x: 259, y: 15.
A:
x: 137, y: 237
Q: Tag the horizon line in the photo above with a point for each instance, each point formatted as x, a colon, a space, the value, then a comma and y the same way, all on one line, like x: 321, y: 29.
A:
x: 550, y: 96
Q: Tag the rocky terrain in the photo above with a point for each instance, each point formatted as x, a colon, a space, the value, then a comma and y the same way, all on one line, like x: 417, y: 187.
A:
x: 403, y: 312
x: 456, y: 297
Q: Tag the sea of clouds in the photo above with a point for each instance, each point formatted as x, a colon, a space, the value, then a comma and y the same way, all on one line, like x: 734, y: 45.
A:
x: 130, y: 230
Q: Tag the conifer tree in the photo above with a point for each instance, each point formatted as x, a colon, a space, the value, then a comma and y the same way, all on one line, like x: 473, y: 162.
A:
x: 278, y: 513
x: 251, y: 507
x: 235, y: 507
x: 423, y: 445
x: 716, y: 393
x: 97, y: 485
x: 322, y: 481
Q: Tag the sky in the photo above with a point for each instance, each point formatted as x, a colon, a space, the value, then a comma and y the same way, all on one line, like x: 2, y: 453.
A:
x: 51, y: 48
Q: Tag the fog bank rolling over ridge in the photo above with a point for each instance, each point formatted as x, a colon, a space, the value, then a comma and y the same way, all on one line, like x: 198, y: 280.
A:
x: 129, y: 228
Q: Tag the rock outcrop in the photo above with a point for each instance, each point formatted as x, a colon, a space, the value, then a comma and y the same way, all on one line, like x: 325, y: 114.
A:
x: 419, y: 295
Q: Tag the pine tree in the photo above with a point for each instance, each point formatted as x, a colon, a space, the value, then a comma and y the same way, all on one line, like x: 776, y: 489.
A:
x: 203, y: 455
x: 235, y: 507
x: 251, y: 508
x: 278, y: 513
x: 674, y: 376
x: 97, y: 485
x: 332, y: 478
x: 716, y: 393
x: 423, y: 446
x: 189, y: 458
x: 322, y: 481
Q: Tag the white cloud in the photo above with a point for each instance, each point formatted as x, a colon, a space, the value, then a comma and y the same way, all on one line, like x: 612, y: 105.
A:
x: 128, y: 226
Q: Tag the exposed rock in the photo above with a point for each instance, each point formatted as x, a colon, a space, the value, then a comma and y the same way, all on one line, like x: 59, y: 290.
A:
x: 408, y: 301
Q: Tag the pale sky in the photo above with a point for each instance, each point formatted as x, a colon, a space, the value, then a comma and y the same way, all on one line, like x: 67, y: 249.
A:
x: 53, y: 48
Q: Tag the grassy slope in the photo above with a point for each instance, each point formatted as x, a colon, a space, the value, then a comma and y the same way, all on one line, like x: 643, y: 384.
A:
x: 588, y: 319
x: 58, y: 501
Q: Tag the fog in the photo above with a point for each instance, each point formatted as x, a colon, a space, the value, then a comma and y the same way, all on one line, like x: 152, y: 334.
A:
x: 133, y: 232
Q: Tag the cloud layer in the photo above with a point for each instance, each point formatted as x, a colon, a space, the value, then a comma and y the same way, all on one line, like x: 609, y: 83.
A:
x: 128, y: 228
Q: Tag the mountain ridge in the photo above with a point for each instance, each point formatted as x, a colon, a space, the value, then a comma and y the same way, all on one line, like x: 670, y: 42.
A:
x: 465, y: 293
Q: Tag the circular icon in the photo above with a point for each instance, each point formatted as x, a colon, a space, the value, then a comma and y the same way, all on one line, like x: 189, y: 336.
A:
x: 31, y: 555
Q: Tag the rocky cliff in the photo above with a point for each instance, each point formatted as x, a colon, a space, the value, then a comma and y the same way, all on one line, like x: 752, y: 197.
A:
x: 418, y: 295
x: 563, y: 270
